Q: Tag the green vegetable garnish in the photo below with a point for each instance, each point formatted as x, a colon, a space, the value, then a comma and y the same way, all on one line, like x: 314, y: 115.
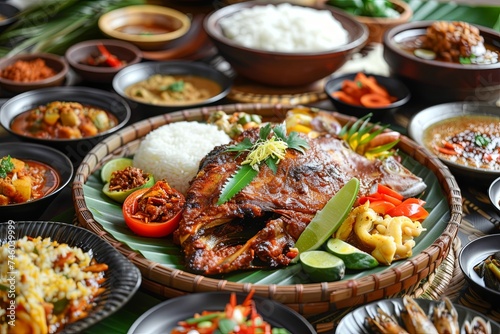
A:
x: 6, y: 166
x: 481, y: 140
x: 177, y: 86
x: 270, y: 148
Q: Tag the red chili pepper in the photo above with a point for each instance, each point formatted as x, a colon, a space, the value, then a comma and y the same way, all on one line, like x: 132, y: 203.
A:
x: 381, y: 189
x: 413, y: 211
x: 111, y: 59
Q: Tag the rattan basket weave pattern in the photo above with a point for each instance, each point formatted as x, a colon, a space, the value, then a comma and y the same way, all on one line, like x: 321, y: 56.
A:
x: 307, y: 299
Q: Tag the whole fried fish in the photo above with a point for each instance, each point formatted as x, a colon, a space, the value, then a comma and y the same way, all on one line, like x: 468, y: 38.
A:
x: 258, y: 227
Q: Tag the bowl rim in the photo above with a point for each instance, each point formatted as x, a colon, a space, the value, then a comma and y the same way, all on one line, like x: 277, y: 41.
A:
x: 104, y: 23
x: 226, y: 82
x: 465, y: 269
x: 107, y: 42
x: 493, y: 186
x: 80, y: 90
x: 64, y: 180
x: 389, y: 43
x: 453, y: 109
x: 337, y: 79
x: 32, y: 56
x: 212, y: 19
x: 9, y: 19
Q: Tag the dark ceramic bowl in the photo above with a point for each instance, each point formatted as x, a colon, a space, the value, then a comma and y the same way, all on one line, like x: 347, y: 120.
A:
x: 184, y: 307
x: 120, y: 24
x: 494, y: 194
x: 122, y: 278
x: 43, y: 154
x: 438, y: 81
x: 57, y: 63
x: 394, y: 87
x: 474, y: 253
x: 280, y: 68
x: 75, y: 149
x: 139, y: 72
x: 8, y: 12
x: 78, y: 54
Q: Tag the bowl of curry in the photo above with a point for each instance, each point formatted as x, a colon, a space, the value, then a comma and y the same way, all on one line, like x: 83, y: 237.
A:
x: 463, y: 135
x: 31, y: 176
x: 154, y: 88
x: 70, y: 119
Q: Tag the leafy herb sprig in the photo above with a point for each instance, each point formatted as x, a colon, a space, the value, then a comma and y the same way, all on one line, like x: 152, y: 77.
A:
x: 270, y: 148
x: 6, y: 166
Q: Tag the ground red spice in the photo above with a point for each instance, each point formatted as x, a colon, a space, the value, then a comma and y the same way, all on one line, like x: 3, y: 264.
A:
x: 28, y: 71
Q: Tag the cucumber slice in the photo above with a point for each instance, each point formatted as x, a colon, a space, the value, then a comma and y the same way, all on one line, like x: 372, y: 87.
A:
x: 322, y: 266
x: 353, y: 257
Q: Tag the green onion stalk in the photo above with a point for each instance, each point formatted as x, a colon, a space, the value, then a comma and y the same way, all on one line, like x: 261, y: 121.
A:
x: 52, y: 26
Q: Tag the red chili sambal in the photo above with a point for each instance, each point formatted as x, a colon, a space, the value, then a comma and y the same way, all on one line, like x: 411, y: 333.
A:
x: 25, y: 180
x: 63, y: 120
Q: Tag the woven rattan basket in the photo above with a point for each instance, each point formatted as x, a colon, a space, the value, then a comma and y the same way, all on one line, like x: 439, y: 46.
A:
x: 307, y: 299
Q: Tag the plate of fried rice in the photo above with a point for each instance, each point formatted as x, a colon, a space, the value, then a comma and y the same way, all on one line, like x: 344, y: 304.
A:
x: 56, y: 277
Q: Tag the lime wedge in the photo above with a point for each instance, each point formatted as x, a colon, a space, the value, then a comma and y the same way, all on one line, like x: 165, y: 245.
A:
x: 322, y: 266
x: 328, y: 220
x: 112, y: 165
x: 353, y: 257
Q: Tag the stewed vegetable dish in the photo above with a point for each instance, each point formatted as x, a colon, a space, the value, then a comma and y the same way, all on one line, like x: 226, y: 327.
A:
x: 25, y: 180
x: 63, y: 120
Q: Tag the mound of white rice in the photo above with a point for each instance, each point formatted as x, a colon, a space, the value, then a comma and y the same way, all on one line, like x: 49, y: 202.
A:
x: 285, y: 28
x: 174, y: 151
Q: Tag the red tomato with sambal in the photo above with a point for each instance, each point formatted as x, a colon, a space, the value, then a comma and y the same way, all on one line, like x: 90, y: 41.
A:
x: 155, y: 211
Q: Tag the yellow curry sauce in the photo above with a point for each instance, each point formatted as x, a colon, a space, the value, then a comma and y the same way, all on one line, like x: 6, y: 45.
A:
x: 471, y: 140
x: 161, y: 89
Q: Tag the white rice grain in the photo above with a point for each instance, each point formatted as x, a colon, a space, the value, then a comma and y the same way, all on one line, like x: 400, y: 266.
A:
x: 285, y: 28
x: 173, y: 152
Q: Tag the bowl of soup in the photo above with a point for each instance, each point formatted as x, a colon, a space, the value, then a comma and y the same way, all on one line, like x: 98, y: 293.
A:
x: 463, y: 135
x: 31, y: 176
x: 154, y: 88
x: 442, y: 61
x: 149, y: 27
x: 70, y: 119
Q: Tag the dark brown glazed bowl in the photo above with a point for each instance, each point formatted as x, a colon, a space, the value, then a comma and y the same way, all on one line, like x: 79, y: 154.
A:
x: 280, y: 68
x: 437, y: 81
x: 78, y: 53
x: 57, y: 63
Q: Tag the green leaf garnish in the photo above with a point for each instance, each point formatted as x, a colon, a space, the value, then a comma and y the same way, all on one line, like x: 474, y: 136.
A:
x: 481, y: 140
x: 6, y: 166
x: 177, y: 86
x: 237, y: 182
x: 270, y: 148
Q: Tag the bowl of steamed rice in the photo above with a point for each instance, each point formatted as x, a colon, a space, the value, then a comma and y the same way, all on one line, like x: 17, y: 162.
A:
x: 283, y: 44
x: 173, y: 151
